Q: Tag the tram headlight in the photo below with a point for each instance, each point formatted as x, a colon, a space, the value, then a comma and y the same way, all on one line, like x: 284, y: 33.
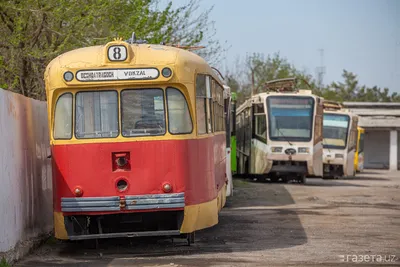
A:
x: 167, y: 187
x: 276, y: 149
x: 304, y: 150
x: 166, y: 72
x: 68, y: 76
x: 339, y: 156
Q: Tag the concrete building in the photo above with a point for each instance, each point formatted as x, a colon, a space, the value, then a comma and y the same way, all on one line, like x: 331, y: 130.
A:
x: 381, y: 122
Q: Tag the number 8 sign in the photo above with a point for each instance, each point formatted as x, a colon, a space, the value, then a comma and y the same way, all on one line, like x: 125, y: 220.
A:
x: 117, y: 53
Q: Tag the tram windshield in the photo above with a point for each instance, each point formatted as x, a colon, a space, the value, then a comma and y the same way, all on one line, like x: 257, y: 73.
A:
x: 335, y: 131
x: 142, y: 112
x: 290, y: 118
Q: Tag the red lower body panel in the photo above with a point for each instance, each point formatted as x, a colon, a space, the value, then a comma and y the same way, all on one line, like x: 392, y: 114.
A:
x: 195, y: 167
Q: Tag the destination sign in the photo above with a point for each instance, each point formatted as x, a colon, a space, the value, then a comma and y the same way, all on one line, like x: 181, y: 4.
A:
x: 117, y: 74
x: 290, y: 101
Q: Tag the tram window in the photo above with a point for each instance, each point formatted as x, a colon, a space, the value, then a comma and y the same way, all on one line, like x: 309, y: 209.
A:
x: 201, y: 104
x: 209, y: 84
x: 335, y: 128
x: 63, y: 117
x: 290, y: 118
x: 261, y: 125
x: 218, y: 104
x: 96, y: 114
x: 142, y: 112
x: 258, y: 108
x: 179, y: 121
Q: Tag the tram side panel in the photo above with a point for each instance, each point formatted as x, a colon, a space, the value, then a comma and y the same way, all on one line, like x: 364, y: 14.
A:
x: 350, y: 170
x: 243, y: 141
x: 317, y: 162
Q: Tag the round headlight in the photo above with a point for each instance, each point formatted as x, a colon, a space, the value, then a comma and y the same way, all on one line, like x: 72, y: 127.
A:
x: 68, y: 76
x: 166, y: 72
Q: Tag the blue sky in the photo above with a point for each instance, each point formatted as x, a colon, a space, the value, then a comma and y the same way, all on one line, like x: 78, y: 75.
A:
x: 362, y: 36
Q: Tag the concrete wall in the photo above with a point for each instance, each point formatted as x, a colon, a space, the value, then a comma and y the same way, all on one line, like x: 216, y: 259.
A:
x: 25, y: 172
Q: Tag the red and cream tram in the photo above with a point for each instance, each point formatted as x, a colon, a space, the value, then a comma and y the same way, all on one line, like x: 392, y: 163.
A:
x: 138, y: 141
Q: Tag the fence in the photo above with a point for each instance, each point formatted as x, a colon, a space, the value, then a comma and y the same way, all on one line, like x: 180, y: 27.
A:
x: 25, y: 174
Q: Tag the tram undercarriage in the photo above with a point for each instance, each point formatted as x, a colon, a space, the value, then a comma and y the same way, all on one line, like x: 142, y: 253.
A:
x: 138, y: 224
x: 332, y: 171
x: 288, y: 170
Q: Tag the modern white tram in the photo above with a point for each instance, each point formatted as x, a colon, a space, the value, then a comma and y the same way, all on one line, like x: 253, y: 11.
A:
x: 340, y: 141
x: 279, y: 133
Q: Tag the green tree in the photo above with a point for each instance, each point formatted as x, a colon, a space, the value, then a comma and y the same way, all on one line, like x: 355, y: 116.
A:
x: 350, y: 90
x: 39, y: 30
x: 258, y: 69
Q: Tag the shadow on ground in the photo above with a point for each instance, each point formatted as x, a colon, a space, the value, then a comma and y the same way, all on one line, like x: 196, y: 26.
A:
x: 245, y: 224
x: 331, y: 183
x: 310, y: 182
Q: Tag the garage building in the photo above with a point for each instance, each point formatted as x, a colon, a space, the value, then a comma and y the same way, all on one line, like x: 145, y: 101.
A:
x: 381, y: 122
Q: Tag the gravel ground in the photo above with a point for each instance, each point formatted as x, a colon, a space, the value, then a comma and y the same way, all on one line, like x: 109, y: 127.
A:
x: 325, y: 222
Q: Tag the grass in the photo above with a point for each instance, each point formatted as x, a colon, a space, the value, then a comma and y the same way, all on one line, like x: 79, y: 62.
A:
x: 4, y: 263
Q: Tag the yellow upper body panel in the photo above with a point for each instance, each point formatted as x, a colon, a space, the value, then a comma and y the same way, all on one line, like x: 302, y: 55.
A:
x: 184, y: 65
x: 149, y: 58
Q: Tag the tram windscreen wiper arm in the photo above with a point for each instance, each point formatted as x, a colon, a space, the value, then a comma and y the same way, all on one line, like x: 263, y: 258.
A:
x: 279, y: 130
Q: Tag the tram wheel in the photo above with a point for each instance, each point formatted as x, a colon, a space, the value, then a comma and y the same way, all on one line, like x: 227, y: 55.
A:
x: 190, y: 238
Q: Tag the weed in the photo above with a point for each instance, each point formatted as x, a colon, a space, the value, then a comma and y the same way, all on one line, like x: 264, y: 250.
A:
x: 4, y: 263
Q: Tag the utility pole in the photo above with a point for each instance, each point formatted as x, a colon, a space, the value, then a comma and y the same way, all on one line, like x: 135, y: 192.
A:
x: 252, y: 82
x: 321, y: 69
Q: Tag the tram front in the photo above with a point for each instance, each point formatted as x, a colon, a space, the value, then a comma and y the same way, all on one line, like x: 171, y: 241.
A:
x: 340, y: 137
x: 294, y: 135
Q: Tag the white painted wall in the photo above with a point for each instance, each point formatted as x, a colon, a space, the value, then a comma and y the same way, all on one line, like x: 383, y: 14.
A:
x: 393, y: 150
x: 25, y: 171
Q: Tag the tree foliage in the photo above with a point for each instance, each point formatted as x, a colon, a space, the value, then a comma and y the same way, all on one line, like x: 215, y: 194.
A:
x: 351, y: 90
x: 257, y: 69
x: 251, y: 75
x: 37, y: 31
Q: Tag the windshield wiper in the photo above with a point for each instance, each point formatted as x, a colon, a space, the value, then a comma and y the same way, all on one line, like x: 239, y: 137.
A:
x: 279, y: 130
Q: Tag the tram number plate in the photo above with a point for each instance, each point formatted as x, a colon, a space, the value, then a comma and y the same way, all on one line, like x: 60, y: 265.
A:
x: 117, y: 53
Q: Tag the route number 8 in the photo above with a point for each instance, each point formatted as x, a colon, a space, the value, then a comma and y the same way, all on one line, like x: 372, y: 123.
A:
x: 117, y: 53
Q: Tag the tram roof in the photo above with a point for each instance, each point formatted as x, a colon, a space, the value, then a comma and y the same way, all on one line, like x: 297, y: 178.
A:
x: 144, y: 56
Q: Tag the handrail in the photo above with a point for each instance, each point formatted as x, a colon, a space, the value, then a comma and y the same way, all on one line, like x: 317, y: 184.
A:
x: 217, y: 70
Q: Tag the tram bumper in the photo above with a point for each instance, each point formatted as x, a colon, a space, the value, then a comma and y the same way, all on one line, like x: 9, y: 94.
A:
x: 333, y: 161
x: 294, y: 164
x: 129, y: 216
